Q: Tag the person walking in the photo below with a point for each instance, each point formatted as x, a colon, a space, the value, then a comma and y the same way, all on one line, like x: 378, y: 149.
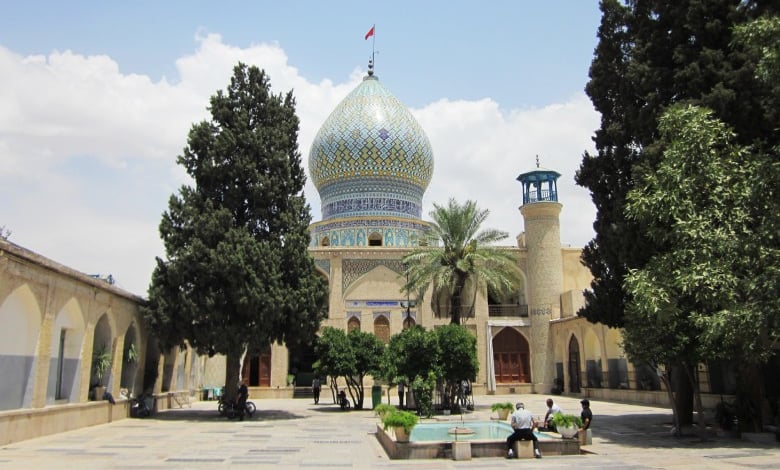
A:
x: 401, y: 390
x: 315, y: 389
x: 523, y: 423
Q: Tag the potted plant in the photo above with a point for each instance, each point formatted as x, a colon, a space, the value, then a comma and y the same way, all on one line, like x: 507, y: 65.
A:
x: 383, y: 409
x: 503, y: 409
x: 402, y: 422
x: 567, y: 425
x: 101, y: 363
x: 132, y: 354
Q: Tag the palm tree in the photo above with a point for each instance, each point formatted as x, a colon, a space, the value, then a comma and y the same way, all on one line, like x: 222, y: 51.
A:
x: 464, y: 255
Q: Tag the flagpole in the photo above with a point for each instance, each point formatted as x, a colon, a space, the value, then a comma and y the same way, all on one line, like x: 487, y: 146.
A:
x: 373, y: 43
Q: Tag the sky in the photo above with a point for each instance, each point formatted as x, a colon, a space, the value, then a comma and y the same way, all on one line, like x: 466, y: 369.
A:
x: 97, y: 97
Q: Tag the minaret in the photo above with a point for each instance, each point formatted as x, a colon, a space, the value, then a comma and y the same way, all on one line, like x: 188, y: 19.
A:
x: 540, y: 211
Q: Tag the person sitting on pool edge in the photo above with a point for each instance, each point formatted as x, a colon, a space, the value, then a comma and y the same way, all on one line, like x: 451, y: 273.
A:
x: 523, y: 423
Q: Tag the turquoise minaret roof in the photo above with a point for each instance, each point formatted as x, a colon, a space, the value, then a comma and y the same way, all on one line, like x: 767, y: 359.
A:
x: 539, y: 185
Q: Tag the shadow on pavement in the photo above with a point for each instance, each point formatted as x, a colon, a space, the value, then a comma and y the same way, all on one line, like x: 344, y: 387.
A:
x: 193, y: 414
x: 647, y: 431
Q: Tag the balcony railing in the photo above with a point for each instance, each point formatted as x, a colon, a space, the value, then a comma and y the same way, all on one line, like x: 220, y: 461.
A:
x: 508, y: 310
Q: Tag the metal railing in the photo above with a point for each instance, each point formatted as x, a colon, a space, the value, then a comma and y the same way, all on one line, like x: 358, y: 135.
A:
x: 507, y: 310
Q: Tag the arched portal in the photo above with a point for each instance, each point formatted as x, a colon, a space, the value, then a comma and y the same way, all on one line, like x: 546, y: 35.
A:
x: 574, y: 365
x: 511, y: 357
x: 353, y: 324
x: 409, y: 322
x: 382, y: 328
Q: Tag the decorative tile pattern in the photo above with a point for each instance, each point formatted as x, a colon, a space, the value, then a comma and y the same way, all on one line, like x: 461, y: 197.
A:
x: 323, y: 264
x: 355, y: 232
x: 352, y: 269
x: 371, y: 157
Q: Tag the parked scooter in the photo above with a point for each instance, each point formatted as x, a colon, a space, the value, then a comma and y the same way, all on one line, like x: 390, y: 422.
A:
x: 141, y: 406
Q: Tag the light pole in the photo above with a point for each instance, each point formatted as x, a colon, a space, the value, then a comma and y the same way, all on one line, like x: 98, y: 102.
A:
x: 408, y: 304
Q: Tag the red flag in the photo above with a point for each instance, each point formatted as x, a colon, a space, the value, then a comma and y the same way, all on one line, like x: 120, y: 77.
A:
x: 370, y: 33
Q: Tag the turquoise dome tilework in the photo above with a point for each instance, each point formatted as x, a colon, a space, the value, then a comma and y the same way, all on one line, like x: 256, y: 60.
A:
x: 371, y: 157
x: 355, y: 232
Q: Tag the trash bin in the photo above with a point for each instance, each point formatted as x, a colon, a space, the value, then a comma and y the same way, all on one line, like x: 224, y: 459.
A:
x: 376, y: 395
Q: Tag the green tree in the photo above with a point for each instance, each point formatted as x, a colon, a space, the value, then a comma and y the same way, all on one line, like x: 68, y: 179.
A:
x: 334, y: 356
x: 651, y: 54
x: 411, y: 353
x: 465, y: 255
x: 699, y: 299
x: 350, y: 355
x: 458, y: 359
x: 237, y: 275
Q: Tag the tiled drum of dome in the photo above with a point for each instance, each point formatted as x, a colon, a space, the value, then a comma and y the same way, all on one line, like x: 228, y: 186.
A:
x: 371, y: 157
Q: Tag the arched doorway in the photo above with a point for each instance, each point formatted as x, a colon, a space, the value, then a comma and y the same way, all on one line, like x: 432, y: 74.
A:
x: 511, y: 357
x: 574, y: 365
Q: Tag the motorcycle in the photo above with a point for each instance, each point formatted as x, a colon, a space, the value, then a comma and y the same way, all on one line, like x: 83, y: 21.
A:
x: 141, y: 406
x: 228, y: 408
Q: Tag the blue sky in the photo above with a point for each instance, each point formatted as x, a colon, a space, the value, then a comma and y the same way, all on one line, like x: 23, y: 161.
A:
x: 98, y: 97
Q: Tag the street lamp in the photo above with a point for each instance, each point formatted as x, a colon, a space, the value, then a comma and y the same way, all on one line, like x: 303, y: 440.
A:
x: 408, y: 304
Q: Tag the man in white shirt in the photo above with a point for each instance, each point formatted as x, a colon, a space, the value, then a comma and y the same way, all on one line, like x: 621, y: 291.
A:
x: 523, y: 423
x: 552, y: 409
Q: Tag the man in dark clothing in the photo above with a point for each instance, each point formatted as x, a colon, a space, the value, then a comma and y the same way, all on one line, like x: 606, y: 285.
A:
x: 586, y: 415
x: 315, y: 389
x: 241, y: 398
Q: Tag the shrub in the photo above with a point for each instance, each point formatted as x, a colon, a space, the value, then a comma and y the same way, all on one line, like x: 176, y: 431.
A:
x: 502, y: 406
x: 383, y: 409
x: 402, y: 419
x: 561, y: 420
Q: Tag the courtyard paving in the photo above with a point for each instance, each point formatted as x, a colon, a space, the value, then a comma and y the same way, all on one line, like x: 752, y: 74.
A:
x: 290, y: 433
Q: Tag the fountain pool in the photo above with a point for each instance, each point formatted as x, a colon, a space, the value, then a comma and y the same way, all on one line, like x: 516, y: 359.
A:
x: 426, y: 432
x: 485, y: 438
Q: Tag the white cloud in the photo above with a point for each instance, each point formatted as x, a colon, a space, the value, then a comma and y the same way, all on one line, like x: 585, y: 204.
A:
x: 88, y: 153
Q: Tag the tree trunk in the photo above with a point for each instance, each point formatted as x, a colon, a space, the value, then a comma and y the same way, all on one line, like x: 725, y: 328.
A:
x: 694, y: 382
x: 750, y: 393
x: 666, y: 380
x: 683, y: 396
x: 232, y: 374
x: 455, y: 303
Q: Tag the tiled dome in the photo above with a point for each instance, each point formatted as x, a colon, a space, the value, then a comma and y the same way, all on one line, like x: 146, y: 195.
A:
x: 371, y: 158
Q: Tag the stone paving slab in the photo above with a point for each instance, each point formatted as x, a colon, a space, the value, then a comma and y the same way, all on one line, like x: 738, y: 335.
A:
x: 288, y: 433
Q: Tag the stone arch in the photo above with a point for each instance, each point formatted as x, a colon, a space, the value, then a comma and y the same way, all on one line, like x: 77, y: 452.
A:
x: 151, y: 366
x: 593, y: 360
x: 375, y: 239
x: 408, y: 322
x: 574, y: 364
x: 102, y: 341
x: 67, y: 341
x: 353, y: 324
x: 382, y: 328
x: 617, y: 365
x: 511, y: 357
x: 21, y: 316
x: 168, y: 368
x: 325, y: 241
x: 131, y: 357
